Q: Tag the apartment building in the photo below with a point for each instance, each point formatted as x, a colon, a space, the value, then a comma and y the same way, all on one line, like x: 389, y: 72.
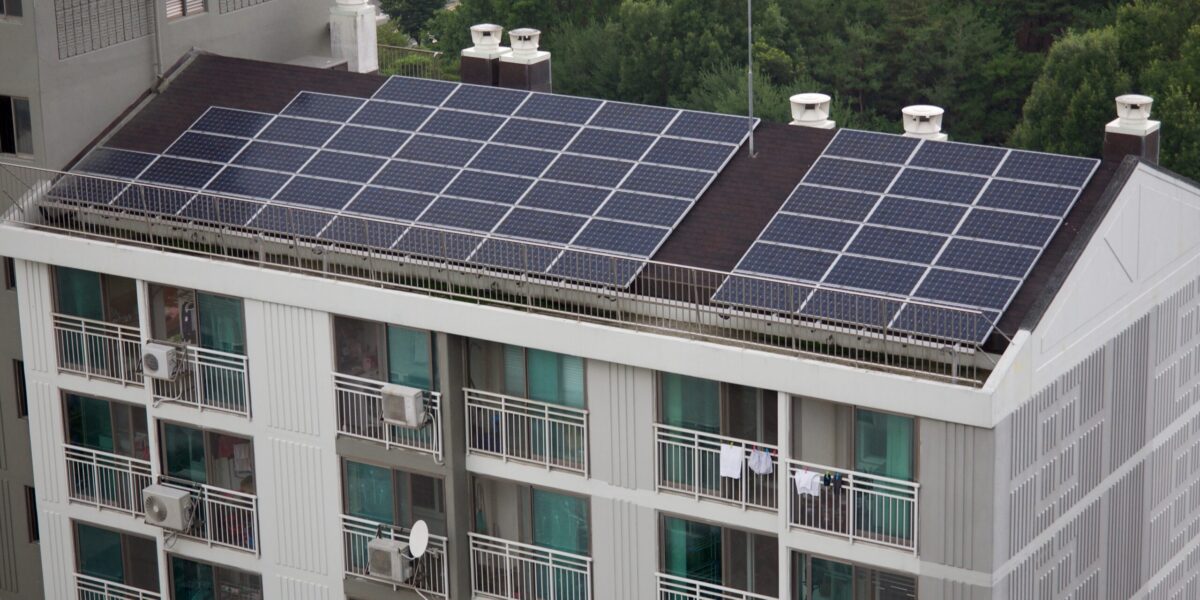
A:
x: 362, y: 314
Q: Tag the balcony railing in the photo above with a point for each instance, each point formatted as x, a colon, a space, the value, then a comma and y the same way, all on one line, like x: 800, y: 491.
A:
x: 430, y: 574
x: 409, y: 62
x: 689, y: 462
x: 863, y: 330
x: 360, y: 415
x: 671, y: 587
x: 98, y: 349
x: 209, y: 380
x: 550, y: 435
x: 107, y: 480
x: 94, y: 588
x: 514, y: 571
x: 858, y: 506
x: 221, y: 517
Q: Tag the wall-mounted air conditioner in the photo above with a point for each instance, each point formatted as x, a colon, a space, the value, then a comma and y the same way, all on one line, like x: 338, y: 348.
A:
x: 161, y: 361
x: 389, y: 559
x: 404, y: 406
x: 167, y: 507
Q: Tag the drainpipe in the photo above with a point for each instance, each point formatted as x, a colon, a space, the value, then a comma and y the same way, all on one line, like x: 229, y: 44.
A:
x: 158, y: 52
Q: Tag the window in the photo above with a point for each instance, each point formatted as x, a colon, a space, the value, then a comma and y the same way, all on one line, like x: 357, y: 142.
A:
x: 527, y: 373
x: 10, y: 271
x: 16, y: 122
x: 95, y: 296
x: 10, y: 8
x: 31, y: 515
x: 22, y: 390
x: 560, y: 521
x: 113, y: 427
x: 393, y: 496
x: 883, y: 444
x: 816, y: 578
x: 722, y: 556
x: 712, y: 407
x: 197, y: 318
x: 384, y: 352
x: 208, y: 457
x: 202, y: 581
x: 183, y: 8
x: 118, y: 557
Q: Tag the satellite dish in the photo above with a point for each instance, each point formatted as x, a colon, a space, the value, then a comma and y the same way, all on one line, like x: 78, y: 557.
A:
x: 418, y: 540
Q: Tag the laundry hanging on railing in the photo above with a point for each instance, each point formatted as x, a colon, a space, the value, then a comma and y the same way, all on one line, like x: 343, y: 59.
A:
x: 807, y: 482
x: 731, y: 461
x: 760, y: 462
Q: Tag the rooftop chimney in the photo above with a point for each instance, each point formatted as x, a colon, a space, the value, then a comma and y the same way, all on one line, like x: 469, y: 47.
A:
x: 480, y: 63
x: 1132, y: 132
x: 526, y: 67
x: 811, y: 110
x: 352, y: 35
x: 924, y: 121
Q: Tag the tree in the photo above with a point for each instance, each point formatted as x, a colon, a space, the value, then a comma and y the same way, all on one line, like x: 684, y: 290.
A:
x: 410, y: 16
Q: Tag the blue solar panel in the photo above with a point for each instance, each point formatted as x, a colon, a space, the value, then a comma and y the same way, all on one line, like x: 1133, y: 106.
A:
x: 248, y: 182
x: 785, y: 261
x: 874, y: 147
x: 591, y: 171
x: 277, y: 157
x: 622, y: 238
x: 850, y: 308
x: 962, y: 158
x: 232, y: 122
x: 874, y: 275
x: 867, y: 177
x: 225, y: 211
x: 937, y: 321
x: 87, y: 190
x: 115, y: 163
x: 713, y: 127
x: 392, y: 116
x: 432, y: 243
x: 464, y: 214
x: 424, y: 148
x: 1048, y: 168
x: 935, y: 185
x: 322, y: 106
x: 771, y: 295
x: 986, y: 257
x: 667, y: 181
x: 180, y: 172
x: 489, y: 186
x: 535, y: 134
x: 515, y: 255
x: 412, y: 176
x: 1008, y: 227
x: 340, y: 165
x: 318, y: 192
x: 969, y: 289
x: 806, y: 231
x: 633, y: 117
x: 299, y: 131
x: 363, y: 232
x: 366, y: 140
x: 415, y: 91
x: 611, y: 144
x: 541, y: 226
x: 564, y: 109
x: 292, y: 221
x: 897, y: 244
x: 918, y: 215
x: 499, y: 101
x: 565, y: 197
x: 685, y: 153
x: 393, y: 204
x: 640, y: 208
x: 1028, y: 197
x: 599, y: 269
x: 203, y: 146
x: 515, y: 161
x: 462, y: 124
x: 153, y: 199
x: 834, y: 204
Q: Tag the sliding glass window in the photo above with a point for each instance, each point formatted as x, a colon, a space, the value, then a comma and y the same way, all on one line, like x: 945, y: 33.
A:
x: 384, y: 352
x: 193, y: 580
x: 118, y: 557
x: 209, y: 321
x: 112, y: 427
x: 393, y: 497
x: 208, y: 457
x: 529, y: 373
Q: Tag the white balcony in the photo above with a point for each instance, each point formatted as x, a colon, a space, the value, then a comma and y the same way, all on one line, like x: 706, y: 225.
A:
x: 549, y: 435
x: 106, y: 480
x: 98, y: 349
x: 209, y: 380
x: 430, y: 575
x: 360, y: 415
x: 94, y: 588
x: 221, y: 517
x: 689, y: 462
x: 508, y: 570
x: 861, y: 507
x: 671, y: 587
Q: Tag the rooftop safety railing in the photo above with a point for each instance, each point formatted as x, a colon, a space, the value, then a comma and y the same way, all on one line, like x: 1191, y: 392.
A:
x: 429, y: 573
x: 855, y: 505
x: 509, y: 570
x: 671, y: 587
x: 360, y: 415
x: 691, y: 462
x: 208, y: 380
x: 812, y: 321
x: 524, y: 430
x: 219, y: 516
x: 107, y: 480
x: 410, y: 62
x: 98, y: 349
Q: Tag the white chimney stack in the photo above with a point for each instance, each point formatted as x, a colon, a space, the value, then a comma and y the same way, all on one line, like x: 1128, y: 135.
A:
x: 1132, y: 132
x: 352, y: 35
x: 526, y: 67
x: 525, y: 44
x: 811, y: 110
x: 924, y: 121
x: 486, y: 38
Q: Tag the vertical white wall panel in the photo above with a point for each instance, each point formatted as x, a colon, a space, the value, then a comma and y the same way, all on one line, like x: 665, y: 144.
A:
x: 621, y: 403
x: 298, y: 506
x: 624, y: 549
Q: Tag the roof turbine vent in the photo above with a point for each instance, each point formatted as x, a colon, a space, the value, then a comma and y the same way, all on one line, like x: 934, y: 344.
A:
x: 811, y: 110
x: 1132, y: 132
x: 924, y: 121
x: 1133, y: 110
x: 524, y: 42
x: 486, y: 37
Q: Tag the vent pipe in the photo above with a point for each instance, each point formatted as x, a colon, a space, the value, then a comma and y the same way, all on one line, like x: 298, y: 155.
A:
x: 480, y: 63
x: 924, y: 121
x: 352, y: 35
x: 811, y: 110
x: 1132, y: 132
x: 526, y: 67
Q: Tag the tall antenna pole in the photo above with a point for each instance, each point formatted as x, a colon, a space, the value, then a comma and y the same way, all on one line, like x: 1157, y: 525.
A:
x: 750, y: 70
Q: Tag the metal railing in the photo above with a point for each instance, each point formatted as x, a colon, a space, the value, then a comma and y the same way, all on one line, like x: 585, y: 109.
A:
x: 98, y: 349
x: 219, y: 516
x: 671, y: 587
x: 94, y: 588
x: 793, y: 319
x: 689, y: 462
x: 107, y: 480
x: 84, y: 26
x: 514, y: 571
x: 856, y: 505
x: 410, y: 62
x: 430, y: 574
x: 360, y: 415
x: 550, y: 435
x: 208, y: 380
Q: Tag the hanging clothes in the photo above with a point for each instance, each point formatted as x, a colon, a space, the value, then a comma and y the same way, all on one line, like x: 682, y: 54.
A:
x: 731, y: 461
x: 807, y: 482
x: 760, y: 462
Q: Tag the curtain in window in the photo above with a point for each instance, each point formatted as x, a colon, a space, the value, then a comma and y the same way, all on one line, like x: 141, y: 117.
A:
x: 222, y: 326
x: 369, y: 492
x: 514, y: 371
x: 99, y: 553
x: 560, y: 522
x: 884, y: 446
x: 692, y: 550
x: 78, y: 293
x: 691, y: 403
x: 183, y: 450
x: 410, y: 357
x: 120, y: 301
x: 89, y: 423
x: 832, y: 580
x: 191, y: 580
x: 555, y: 378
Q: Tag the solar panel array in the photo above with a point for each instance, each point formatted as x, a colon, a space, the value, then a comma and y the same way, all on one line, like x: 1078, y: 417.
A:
x: 912, y: 222
x: 502, y: 164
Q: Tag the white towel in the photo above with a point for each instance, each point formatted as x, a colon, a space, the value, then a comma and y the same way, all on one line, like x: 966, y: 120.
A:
x: 731, y: 461
x: 808, y: 482
x: 760, y: 462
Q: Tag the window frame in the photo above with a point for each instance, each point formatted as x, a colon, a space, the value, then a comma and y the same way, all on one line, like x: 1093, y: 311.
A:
x: 198, y: 315
x: 7, y: 13
x: 22, y: 388
x: 383, y: 352
x: 113, y: 406
x: 209, y: 455
x: 184, y: 11
x: 399, y: 504
x: 126, y: 563
x: 10, y: 269
x: 172, y: 557
x: 13, y: 126
x: 488, y: 349
x: 31, y: 516
x: 587, y: 503
x: 763, y: 397
x: 914, y: 451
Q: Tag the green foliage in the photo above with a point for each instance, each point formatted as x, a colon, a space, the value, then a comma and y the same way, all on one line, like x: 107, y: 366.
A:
x: 410, y: 16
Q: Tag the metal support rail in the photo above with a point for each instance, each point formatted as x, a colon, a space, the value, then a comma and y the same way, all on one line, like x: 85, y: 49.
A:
x: 94, y: 588
x: 671, y: 587
x: 689, y: 462
x: 549, y: 435
x: 106, y: 480
x: 858, y: 506
x: 360, y: 415
x: 98, y: 349
x: 431, y: 573
x: 509, y: 570
x: 209, y: 379
x: 221, y: 517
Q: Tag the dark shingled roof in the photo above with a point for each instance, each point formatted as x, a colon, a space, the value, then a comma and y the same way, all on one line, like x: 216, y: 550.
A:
x: 714, y: 235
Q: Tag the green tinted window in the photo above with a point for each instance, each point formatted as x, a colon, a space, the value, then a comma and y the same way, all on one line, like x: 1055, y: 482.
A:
x: 183, y: 452
x: 691, y: 402
x: 78, y: 293
x: 369, y: 492
x: 99, y: 552
x: 410, y: 357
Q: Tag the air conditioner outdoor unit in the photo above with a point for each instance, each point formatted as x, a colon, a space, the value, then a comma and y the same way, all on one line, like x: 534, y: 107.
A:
x: 167, y: 507
x: 161, y: 361
x: 404, y: 406
x: 389, y: 559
